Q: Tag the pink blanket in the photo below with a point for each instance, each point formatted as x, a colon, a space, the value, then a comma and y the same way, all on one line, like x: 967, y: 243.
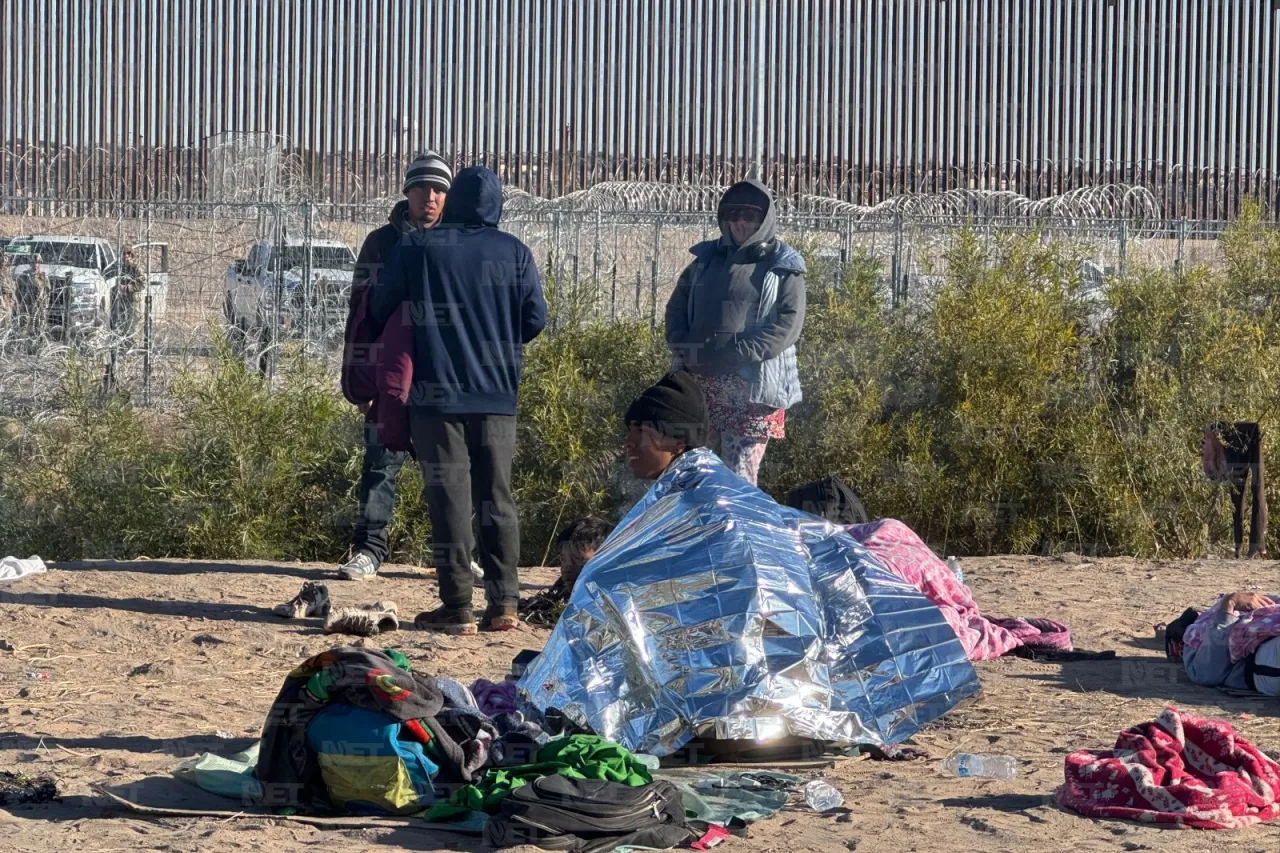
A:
x: 901, y: 551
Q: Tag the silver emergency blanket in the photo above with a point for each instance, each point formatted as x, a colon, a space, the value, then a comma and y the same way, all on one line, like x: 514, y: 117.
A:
x: 713, y: 611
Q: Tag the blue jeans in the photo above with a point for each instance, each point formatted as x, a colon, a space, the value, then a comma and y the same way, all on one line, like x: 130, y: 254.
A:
x: 377, y: 495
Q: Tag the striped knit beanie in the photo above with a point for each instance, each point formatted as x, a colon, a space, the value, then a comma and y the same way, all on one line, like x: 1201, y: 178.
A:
x: 430, y: 169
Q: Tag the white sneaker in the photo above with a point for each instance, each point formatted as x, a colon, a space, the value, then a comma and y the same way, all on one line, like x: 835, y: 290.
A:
x: 361, y: 567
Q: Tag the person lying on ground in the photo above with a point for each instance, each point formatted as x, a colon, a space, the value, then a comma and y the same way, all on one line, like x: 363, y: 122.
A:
x: 1207, y: 656
x: 578, y: 544
x: 666, y: 421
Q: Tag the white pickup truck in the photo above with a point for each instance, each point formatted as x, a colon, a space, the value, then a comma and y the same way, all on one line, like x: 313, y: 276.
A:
x: 286, y: 287
x: 83, y: 272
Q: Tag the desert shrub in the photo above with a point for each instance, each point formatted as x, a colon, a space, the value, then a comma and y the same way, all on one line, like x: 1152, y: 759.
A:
x: 78, y: 480
x: 238, y: 470
x: 576, y: 387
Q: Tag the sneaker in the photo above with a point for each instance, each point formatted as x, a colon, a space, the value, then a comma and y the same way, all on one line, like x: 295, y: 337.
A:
x: 365, y: 620
x: 361, y: 567
x: 500, y: 617
x: 458, y: 623
x: 311, y: 600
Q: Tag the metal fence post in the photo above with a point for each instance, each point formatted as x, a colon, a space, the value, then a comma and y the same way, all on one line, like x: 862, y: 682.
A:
x: 576, y: 303
x: 1182, y: 243
x: 146, y: 319
x: 308, y: 289
x: 595, y: 266
x: 551, y: 292
x: 895, y: 268
x: 653, y: 272
x: 1124, y: 245
x: 274, y: 350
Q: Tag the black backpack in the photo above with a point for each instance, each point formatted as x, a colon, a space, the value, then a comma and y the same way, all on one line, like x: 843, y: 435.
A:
x: 829, y: 498
x: 590, y: 816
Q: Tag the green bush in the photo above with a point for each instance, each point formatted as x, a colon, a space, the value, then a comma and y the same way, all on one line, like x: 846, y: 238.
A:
x: 576, y: 385
x: 237, y: 470
x: 1007, y: 409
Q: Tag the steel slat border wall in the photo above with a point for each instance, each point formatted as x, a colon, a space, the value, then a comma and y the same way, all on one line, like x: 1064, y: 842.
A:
x: 863, y: 99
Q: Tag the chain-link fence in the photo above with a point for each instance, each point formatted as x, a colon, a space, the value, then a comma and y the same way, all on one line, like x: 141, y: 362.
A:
x: 272, y: 278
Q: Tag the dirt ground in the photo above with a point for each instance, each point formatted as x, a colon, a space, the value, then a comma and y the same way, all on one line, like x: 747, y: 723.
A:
x: 216, y: 656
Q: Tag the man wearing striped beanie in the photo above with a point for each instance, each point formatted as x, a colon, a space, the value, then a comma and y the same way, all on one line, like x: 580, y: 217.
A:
x: 425, y: 183
x: 426, y: 180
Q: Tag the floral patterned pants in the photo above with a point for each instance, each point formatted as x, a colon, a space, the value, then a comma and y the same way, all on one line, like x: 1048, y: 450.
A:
x: 743, y: 454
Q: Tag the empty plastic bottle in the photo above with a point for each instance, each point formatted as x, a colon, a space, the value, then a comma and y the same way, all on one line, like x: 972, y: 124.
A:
x: 821, y: 797
x: 954, y: 565
x: 989, y: 766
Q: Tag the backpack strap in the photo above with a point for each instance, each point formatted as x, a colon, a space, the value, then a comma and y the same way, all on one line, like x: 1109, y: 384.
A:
x: 1252, y: 669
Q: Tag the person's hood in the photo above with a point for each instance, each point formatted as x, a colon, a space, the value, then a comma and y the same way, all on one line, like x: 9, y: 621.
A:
x: 749, y: 192
x: 474, y: 199
x: 400, y: 217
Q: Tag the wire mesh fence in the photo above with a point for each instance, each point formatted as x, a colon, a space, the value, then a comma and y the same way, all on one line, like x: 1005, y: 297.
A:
x: 273, y: 279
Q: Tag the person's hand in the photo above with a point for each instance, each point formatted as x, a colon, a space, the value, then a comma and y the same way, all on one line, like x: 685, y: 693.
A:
x: 1242, y: 602
x: 365, y: 407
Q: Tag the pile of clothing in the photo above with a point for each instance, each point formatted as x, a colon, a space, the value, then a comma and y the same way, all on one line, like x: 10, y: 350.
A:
x: 902, y: 552
x: 357, y: 730
x: 1179, y: 770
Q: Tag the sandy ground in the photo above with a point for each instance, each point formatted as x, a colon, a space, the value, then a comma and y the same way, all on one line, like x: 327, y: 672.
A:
x: 217, y: 656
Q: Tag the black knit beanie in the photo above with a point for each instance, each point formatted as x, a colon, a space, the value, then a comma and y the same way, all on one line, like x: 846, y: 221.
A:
x: 674, y: 407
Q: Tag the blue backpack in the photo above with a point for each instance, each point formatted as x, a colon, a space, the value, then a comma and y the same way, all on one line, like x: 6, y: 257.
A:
x: 366, y: 766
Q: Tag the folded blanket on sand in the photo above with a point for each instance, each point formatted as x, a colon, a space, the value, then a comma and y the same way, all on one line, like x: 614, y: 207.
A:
x: 1179, y: 770
x: 901, y: 551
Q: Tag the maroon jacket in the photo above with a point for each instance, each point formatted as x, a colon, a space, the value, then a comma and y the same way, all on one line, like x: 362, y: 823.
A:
x: 390, y: 412
x: 360, y: 350
x: 370, y: 363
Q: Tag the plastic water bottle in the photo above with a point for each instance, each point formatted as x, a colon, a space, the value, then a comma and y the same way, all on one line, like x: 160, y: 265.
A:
x: 990, y: 766
x: 954, y: 565
x: 821, y: 797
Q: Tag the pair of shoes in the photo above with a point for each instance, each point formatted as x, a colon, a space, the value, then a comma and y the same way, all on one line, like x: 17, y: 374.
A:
x: 362, y: 567
x: 458, y: 623
x: 364, y: 621
x: 312, y: 600
x: 500, y: 617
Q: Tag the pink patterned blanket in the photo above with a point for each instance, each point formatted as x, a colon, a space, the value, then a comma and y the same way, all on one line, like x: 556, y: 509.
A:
x: 901, y: 551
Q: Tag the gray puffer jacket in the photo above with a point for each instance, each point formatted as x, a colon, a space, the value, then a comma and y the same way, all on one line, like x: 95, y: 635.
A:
x: 740, y: 309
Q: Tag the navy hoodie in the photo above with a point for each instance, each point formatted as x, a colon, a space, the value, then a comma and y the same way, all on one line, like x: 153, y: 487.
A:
x: 474, y: 297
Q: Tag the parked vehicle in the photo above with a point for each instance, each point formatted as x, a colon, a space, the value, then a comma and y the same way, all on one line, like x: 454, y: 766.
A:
x: 290, y: 289
x: 83, y: 272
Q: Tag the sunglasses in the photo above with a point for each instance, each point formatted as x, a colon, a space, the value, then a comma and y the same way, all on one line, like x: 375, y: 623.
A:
x: 744, y: 213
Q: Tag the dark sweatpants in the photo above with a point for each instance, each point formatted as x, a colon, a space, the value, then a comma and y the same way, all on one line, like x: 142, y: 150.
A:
x: 377, y: 495
x: 466, y: 469
x: 1242, y: 446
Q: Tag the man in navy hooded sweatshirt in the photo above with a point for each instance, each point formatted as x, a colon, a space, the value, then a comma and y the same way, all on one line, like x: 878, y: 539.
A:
x: 474, y: 298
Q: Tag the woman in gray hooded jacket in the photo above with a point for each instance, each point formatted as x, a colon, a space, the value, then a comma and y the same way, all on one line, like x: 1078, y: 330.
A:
x: 734, y: 320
